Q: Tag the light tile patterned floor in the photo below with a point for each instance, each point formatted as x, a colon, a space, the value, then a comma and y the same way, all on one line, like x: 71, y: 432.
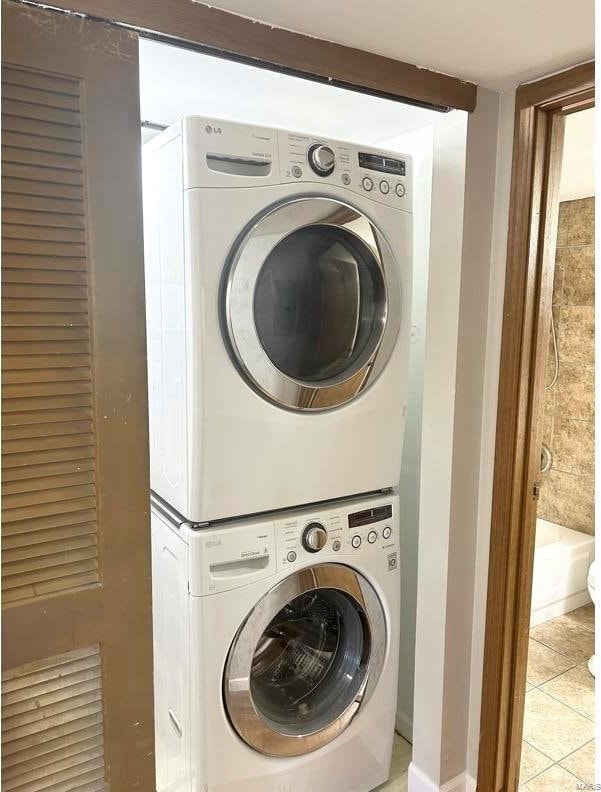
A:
x: 558, y: 751
x: 401, y: 756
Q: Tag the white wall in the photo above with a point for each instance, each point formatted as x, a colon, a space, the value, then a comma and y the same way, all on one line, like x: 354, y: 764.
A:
x: 176, y: 82
x: 448, y: 174
x: 460, y: 389
x: 578, y: 166
x: 496, y: 291
x: 419, y: 144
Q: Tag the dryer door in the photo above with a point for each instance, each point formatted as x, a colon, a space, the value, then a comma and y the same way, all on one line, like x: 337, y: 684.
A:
x: 305, y: 660
x: 311, y: 303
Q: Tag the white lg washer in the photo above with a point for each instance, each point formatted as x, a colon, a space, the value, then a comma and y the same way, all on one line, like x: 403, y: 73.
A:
x: 276, y: 643
x: 278, y: 303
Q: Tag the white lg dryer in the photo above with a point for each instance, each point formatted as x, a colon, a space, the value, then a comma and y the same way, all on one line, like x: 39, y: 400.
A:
x: 276, y: 642
x: 278, y: 303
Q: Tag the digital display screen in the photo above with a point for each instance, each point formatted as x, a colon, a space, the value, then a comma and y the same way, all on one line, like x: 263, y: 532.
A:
x: 381, y: 163
x: 370, y: 516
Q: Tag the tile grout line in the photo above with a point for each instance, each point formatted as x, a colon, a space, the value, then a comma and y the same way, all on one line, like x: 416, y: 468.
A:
x: 571, y: 659
x: 561, y: 673
x: 572, y: 754
x: 592, y: 720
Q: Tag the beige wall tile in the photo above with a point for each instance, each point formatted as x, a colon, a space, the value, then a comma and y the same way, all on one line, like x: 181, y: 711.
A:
x: 567, y: 492
x: 541, y: 510
x: 562, y: 226
x: 570, y: 501
x: 576, y: 335
x: 581, y: 222
x: 548, y: 418
x: 575, y: 391
x: 573, y: 446
x: 558, y: 275
x: 578, y: 275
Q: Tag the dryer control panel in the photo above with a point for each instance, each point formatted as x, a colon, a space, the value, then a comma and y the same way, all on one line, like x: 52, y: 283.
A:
x: 381, y: 176
x: 223, y: 153
x: 349, y: 530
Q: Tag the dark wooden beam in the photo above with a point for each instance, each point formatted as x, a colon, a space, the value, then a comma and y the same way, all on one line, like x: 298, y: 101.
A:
x: 234, y: 36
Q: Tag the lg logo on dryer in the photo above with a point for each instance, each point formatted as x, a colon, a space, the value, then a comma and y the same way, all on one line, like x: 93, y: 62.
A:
x: 210, y: 129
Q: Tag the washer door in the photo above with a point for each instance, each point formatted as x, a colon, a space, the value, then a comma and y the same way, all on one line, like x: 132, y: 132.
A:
x: 306, y: 658
x: 312, y: 303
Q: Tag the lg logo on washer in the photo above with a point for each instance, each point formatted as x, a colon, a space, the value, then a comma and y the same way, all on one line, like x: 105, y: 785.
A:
x: 210, y: 129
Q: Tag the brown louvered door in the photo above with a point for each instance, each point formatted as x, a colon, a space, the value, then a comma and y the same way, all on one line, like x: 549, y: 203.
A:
x: 76, y: 605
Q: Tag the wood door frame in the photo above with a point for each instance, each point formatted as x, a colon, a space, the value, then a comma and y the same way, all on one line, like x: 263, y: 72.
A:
x: 227, y: 35
x: 537, y: 152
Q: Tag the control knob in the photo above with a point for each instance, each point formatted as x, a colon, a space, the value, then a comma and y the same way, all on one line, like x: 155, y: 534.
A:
x: 314, y: 537
x: 321, y: 159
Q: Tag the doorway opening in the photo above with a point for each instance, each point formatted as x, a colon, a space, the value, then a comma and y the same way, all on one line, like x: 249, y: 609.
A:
x: 558, y: 740
x: 537, y: 387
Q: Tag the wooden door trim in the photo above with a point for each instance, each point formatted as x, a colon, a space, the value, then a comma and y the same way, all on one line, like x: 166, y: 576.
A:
x: 538, y: 138
x: 227, y: 35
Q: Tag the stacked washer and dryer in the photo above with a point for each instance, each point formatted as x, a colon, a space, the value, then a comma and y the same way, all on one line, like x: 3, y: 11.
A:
x: 278, y: 304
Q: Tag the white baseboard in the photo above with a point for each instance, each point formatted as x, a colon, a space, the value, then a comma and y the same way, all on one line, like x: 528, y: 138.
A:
x: 470, y: 783
x: 404, y: 725
x: 420, y: 782
x: 559, y: 608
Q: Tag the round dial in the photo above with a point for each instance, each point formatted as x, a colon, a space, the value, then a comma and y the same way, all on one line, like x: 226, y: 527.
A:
x: 314, y: 537
x: 321, y: 159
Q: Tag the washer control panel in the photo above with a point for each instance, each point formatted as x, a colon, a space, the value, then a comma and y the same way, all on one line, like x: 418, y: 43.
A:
x: 304, y: 535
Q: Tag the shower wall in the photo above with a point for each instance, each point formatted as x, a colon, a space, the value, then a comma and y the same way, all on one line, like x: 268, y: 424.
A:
x: 567, y: 491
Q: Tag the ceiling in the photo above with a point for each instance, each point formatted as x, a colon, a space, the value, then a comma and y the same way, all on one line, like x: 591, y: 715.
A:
x: 578, y: 165
x: 176, y: 82
x: 494, y: 43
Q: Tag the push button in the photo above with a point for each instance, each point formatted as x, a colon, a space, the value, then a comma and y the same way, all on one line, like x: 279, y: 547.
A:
x: 346, y: 178
x: 384, y: 187
x: 336, y: 545
x: 356, y: 541
x: 367, y: 184
x: 297, y: 171
x: 400, y: 190
x: 387, y: 532
x: 372, y: 536
x: 291, y: 556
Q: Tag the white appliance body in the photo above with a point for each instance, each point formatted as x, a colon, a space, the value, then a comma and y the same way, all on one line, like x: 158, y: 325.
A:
x: 231, y: 433
x: 209, y: 585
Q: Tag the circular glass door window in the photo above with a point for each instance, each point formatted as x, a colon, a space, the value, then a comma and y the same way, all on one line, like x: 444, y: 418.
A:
x: 311, y: 302
x: 319, y: 304
x: 310, y: 662
x: 307, y: 657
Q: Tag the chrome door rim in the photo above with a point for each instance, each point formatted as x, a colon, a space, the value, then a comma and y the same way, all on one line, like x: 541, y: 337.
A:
x: 244, y: 717
x: 240, y: 278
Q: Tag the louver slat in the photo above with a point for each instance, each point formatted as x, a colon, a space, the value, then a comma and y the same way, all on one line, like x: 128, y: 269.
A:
x: 52, y: 737
x: 48, y: 452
